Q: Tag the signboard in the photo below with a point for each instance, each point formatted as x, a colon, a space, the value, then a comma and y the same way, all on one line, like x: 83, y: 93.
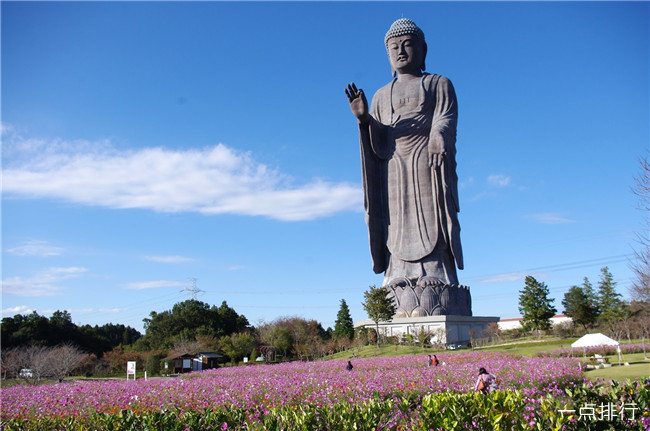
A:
x: 130, y: 369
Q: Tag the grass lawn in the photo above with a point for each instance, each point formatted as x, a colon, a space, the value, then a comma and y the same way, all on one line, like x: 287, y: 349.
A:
x: 639, y: 368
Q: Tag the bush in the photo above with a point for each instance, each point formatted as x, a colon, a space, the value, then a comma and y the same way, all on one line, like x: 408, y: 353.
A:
x: 152, y: 364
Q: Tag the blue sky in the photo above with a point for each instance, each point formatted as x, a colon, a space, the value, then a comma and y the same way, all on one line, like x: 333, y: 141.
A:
x: 145, y: 144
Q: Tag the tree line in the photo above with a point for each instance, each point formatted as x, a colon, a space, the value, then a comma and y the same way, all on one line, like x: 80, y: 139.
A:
x: 33, y: 341
x: 41, y: 331
x: 589, y: 307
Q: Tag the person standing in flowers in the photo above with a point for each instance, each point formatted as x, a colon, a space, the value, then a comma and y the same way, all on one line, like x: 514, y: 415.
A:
x: 433, y: 361
x: 486, y: 382
x: 349, y: 366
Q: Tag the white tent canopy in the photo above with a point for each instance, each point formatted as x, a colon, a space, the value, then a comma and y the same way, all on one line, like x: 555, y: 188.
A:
x: 593, y: 340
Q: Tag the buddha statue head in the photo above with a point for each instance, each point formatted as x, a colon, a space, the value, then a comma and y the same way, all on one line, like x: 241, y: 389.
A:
x: 406, y: 47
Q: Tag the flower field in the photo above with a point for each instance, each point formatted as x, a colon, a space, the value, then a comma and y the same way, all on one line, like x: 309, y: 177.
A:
x: 379, y: 393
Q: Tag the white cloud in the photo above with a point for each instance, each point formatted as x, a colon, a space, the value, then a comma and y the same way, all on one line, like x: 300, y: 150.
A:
x: 20, y: 309
x: 212, y: 180
x: 498, y: 180
x: 550, y: 218
x: 36, y: 248
x: 236, y: 267
x: 169, y: 259
x: 44, y: 283
x: 140, y: 285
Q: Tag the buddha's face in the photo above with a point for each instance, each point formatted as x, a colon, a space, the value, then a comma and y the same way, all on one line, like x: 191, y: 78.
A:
x: 406, y: 54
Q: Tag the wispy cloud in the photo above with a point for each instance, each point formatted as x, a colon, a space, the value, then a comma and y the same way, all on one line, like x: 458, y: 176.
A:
x: 550, y: 218
x: 504, y: 278
x: 511, y: 277
x: 169, y: 259
x: 498, y: 180
x: 24, y: 309
x: 36, y: 248
x: 236, y: 267
x: 155, y: 284
x: 97, y: 310
x: 44, y: 283
x: 112, y: 310
x: 466, y: 182
x: 212, y: 180
x: 20, y: 309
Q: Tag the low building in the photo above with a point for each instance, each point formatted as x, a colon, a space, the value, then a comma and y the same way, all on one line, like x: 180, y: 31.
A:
x: 206, y: 361
x: 187, y: 362
x: 179, y: 364
x: 515, y: 322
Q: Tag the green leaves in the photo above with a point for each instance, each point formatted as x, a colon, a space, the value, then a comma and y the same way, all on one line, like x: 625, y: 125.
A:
x: 535, y: 305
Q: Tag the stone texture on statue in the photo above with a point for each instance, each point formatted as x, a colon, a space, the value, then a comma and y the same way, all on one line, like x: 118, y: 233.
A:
x: 408, y: 157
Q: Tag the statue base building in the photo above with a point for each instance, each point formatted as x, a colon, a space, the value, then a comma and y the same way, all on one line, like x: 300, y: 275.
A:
x: 447, y: 330
x: 421, y: 298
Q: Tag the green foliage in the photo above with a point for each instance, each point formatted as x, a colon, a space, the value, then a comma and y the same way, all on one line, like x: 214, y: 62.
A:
x: 237, y: 345
x: 612, y: 308
x: 188, y: 320
x: 535, y: 305
x: 152, y: 364
x: 34, y: 329
x: 378, y: 305
x: 580, y: 307
x: 344, y: 325
x: 498, y: 410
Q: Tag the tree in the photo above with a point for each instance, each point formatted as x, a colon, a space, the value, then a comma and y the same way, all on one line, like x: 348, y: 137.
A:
x: 612, y: 309
x: 535, y: 306
x: 423, y: 336
x: 640, y: 290
x: 237, y: 345
x: 641, y: 267
x: 379, y: 306
x: 492, y: 332
x: 578, y: 306
x: 344, y: 326
x: 64, y: 359
x: 188, y: 320
x: 33, y: 329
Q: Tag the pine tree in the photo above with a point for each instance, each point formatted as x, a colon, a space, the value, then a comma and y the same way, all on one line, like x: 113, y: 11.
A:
x: 612, y: 308
x: 378, y: 306
x: 578, y: 306
x: 535, y: 306
x: 592, y: 297
x: 344, y: 326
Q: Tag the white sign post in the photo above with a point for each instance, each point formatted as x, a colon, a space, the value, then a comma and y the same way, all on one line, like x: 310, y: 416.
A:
x: 130, y: 369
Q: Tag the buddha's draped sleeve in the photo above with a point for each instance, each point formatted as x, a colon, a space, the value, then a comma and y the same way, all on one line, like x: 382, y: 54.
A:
x: 376, y: 147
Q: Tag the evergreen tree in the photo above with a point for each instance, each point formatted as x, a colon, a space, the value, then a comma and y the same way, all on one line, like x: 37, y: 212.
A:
x: 535, y: 306
x: 378, y: 306
x: 344, y: 326
x: 579, y: 307
x: 612, y: 308
x: 592, y: 297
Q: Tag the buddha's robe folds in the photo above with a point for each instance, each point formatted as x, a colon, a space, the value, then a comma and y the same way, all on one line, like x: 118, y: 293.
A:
x: 411, y: 206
